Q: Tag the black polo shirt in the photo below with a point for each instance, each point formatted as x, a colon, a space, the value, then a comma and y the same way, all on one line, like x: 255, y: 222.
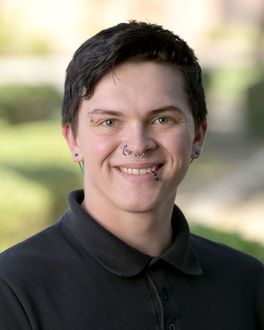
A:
x: 75, y: 275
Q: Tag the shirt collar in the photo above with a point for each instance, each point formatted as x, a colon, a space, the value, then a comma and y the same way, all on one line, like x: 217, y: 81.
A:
x: 118, y: 257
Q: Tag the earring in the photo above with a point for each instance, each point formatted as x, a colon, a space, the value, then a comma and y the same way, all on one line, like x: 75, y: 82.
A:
x: 81, y: 167
x: 197, y: 154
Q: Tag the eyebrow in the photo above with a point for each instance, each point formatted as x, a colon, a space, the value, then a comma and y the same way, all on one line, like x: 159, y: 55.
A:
x: 105, y: 112
x: 171, y: 108
x: 121, y: 114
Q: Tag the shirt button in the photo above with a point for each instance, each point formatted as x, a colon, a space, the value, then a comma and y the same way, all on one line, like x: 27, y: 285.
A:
x: 164, y: 295
x: 172, y: 326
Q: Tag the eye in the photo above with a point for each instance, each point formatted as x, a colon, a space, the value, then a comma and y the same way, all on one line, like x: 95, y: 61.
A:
x: 163, y: 120
x: 109, y: 122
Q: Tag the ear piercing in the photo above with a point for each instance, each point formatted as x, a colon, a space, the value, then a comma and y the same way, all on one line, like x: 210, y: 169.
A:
x: 81, y: 167
x: 197, y: 153
x: 127, y: 152
x: 80, y: 163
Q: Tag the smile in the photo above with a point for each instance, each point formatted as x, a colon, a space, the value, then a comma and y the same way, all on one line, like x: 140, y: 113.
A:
x: 137, y: 171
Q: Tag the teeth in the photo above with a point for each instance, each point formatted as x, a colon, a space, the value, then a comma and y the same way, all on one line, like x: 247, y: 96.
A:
x: 143, y: 171
x: 136, y: 171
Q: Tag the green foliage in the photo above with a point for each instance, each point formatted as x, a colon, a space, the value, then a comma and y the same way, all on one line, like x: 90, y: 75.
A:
x: 230, y: 239
x: 255, y: 108
x: 24, y: 206
x: 36, y: 174
x: 39, y: 143
x: 20, y: 103
x: 246, y: 83
x: 232, y: 81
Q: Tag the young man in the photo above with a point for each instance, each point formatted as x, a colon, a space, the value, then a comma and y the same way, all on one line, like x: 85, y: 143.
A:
x: 122, y: 256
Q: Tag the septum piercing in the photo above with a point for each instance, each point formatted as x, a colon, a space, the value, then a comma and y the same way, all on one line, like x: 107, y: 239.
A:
x: 127, y: 152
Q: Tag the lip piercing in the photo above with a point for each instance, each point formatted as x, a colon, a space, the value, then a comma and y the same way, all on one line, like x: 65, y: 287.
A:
x: 156, y: 177
x: 127, y: 152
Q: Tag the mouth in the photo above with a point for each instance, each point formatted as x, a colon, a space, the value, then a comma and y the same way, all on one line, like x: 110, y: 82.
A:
x: 136, y: 170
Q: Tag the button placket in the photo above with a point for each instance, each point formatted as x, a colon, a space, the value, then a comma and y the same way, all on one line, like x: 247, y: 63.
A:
x: 160, y: 280
x: 164, y: 294
x: 171, y: 326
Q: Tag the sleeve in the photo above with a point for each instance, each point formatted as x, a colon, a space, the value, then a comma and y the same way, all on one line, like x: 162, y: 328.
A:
x: 12, y: 314
x: 260, y: 301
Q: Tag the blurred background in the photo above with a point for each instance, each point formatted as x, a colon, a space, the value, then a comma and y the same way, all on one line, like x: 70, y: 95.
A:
x: 223, y: 196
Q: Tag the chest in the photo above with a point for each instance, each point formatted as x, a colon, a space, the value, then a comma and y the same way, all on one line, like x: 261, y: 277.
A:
x: 155, y: 300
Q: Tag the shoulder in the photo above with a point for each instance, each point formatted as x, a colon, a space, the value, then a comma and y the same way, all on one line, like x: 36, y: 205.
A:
x: 235, y: 275
x: 32, y: 253
x: 225, y: 259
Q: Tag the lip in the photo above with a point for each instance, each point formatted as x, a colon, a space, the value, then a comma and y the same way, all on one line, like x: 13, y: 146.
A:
x: 139, y: 165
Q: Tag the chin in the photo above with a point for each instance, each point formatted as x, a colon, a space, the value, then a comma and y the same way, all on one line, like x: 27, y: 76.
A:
x: 140, y: 207
x: 138, y: 210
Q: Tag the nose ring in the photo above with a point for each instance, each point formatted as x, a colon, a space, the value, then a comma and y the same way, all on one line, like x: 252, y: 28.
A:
x: 127, y: 152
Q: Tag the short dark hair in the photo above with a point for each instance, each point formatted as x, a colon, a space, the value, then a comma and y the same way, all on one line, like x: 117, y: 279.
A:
x: 129, y: 42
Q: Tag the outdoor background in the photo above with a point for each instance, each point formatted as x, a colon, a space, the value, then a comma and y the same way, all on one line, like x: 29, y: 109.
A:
x: 223, y: 196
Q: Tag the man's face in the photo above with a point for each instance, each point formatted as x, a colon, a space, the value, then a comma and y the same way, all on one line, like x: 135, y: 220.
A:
x: 142, y: 105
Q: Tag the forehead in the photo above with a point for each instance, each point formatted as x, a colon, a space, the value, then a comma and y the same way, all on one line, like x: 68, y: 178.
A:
x: 140, y: 86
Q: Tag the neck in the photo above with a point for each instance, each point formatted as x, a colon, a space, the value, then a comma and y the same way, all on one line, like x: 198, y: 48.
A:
x: 148, y: 232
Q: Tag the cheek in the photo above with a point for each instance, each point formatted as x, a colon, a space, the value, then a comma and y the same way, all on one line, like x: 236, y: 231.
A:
x: 97, y: 148
x: 180, y: 144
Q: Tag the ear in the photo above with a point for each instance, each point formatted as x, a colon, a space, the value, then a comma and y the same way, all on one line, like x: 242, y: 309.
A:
x: 72, y: 142
x: 198, y: 141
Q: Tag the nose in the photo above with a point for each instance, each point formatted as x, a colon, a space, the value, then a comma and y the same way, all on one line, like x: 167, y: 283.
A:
x: 139, y: 140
